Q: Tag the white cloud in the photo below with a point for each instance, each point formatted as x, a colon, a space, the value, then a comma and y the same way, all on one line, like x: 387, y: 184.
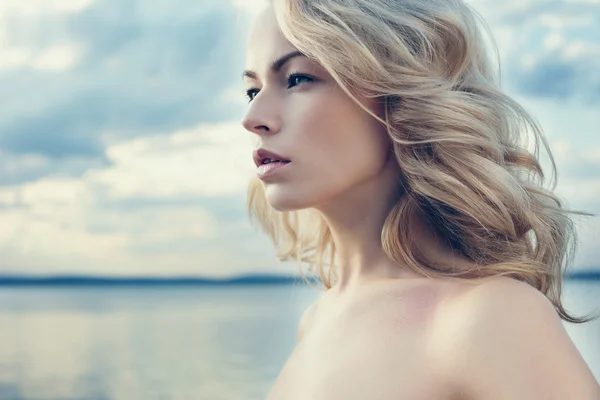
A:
x: 14, y: 57
x: 58, y: 57
x: 207, y: 161
x: 253, y: 7
x: 528, y: 61
x: 62, y: 224
x: 33, y: 7
x: 553, y: 41
x: 59, y: 224
x: 12, y: 164
x: 558, y: 21
x: 577, y: 49
x: 21, y: 20
x: 50, y: 238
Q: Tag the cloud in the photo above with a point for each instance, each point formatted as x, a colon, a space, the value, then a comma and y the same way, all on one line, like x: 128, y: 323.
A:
x: 121, y: 150
x: 16, y: 169
x: 579, y: 164
x: 191, y: 162
x: 548, y: 48
x: 563, y: 71
x: 253, y: 7
x: 559, y: 79
x: 181, y: 167
x: 32, y: 7
x: 171, y: 203
x: 59, y: 57
x: 136, y: 70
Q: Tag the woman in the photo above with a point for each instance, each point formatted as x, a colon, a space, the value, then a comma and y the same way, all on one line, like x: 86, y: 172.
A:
x: 387, y: 154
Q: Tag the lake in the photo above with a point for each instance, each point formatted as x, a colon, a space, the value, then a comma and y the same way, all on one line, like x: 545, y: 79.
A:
x: 213, y: 343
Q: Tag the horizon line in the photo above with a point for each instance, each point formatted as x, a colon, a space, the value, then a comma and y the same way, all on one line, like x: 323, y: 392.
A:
x: 153, y: 280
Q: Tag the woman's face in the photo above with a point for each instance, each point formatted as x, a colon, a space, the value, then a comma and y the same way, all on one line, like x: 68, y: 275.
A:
x: 299, y: 112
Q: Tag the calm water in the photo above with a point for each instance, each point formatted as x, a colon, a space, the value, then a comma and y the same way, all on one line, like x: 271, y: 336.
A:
x: 171, y: 343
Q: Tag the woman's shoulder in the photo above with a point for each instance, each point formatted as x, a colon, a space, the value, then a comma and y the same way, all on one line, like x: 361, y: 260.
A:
x: 448, y: 301
x: 482, y: 307
x: 505, y: 337
x: 497, y: 291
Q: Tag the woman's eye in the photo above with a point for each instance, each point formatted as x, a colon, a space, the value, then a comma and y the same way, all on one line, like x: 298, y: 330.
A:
x: 251, y: 93
x: 295, y: 79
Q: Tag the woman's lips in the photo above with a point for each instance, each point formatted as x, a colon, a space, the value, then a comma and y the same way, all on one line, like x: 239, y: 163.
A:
x: 271, y: 169
x: 260, y: 155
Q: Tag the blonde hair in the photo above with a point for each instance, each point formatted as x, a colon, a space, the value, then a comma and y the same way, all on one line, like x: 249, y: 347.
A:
x: 461, y: 144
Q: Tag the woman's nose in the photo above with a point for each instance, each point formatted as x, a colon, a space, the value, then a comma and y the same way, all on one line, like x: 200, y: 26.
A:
x: 255, y: 126
x: 262, y: 118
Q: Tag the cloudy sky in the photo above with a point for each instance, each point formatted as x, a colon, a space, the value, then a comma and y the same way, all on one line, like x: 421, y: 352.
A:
x: 121, y: 151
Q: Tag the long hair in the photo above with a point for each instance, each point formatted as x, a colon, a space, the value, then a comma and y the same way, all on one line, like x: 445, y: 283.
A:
x: 469, y: 155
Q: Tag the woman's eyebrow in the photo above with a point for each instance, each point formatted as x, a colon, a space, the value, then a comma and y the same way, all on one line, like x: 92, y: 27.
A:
x: 275, y: 65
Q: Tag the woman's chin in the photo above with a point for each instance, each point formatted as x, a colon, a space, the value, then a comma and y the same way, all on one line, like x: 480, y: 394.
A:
x: 284, y: 202
x: 283, y: 206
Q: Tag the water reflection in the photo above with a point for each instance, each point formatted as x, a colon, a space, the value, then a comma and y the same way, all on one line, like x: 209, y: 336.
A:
x: 170, y: 343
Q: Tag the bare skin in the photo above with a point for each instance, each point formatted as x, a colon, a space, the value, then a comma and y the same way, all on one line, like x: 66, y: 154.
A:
x: 435, y: 339
x: 344, y: 345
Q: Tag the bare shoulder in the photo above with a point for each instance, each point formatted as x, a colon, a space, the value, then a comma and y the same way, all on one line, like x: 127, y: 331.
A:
x: 307, y: 318
x: 503, y: 339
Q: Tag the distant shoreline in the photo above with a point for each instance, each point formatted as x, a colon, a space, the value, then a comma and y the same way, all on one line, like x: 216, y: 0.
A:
x: 73, y: 280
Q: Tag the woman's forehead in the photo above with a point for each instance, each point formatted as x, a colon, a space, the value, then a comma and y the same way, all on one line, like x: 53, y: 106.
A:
x: 266, y: 41
x: 265, y: 27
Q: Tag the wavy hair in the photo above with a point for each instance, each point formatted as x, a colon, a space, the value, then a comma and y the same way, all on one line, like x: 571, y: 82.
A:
x: 469, y: 155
